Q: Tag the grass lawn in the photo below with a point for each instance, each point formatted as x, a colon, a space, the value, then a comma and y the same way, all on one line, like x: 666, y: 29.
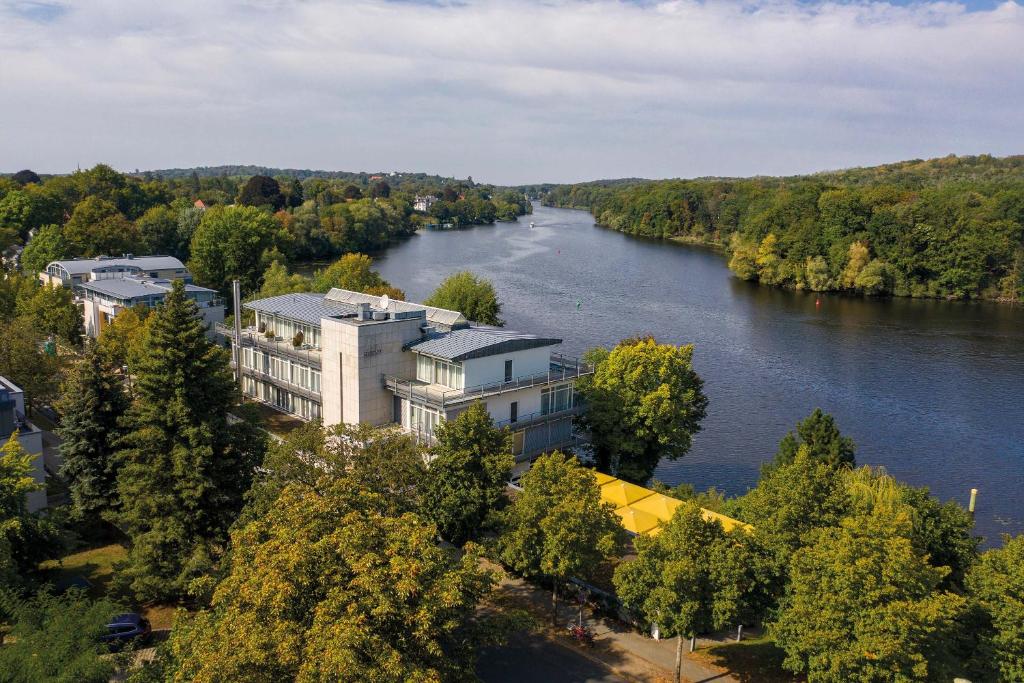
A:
x: 756, y: 660
x: 97, y: 565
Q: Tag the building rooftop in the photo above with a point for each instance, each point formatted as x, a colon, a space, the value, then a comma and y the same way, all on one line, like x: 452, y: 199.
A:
x: 477, y: 342
x: 307, y: 307
x: 80, y: 266
x: 135, y: 287
x: 435, y: 316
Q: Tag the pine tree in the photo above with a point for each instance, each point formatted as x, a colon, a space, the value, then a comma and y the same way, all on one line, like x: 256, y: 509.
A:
x: 185, y: 468
x: 93, y: 402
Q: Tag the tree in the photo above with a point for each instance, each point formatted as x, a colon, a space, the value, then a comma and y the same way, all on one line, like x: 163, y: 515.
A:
x: 91, y: 406
x: 469, y: 468
x: 184, y: 468
x: 229, y: 243
x: 818, y: 431
x: 472, y: 296
x: 690, y: 578
x: 277, y: 281
x: 857, y: 259
x: 25, y: 538
x: 24, y: 177
x: 351, y: 192
x: 158, y: 229
x: 557, y: 526
x: 47, y: 245
x: 51, y: 310
x: 97, y: 227
x: 354, y: 272
x: 769, y: 261
x: 863, y: 604
x: 57, y: 638
x: 121, y: 342
x: 643, y: 402
x: 328, y: 586
x: 380, y: 189
x: 23, y: 361
x: 994, y: 585
x: 261, y: 190
x: 295, y: 194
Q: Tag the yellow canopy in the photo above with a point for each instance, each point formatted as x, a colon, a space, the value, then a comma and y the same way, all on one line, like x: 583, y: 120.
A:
x: 603, y: 478
x: 620, y: 493
x: 637, y: 521
x: 662, y: 507
x: 728, y: 523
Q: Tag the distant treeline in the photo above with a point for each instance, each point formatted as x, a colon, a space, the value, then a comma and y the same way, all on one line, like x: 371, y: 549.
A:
x: 943, y: 228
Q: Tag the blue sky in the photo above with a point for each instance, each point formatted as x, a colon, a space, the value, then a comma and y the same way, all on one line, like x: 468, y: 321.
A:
x: 508, y: 91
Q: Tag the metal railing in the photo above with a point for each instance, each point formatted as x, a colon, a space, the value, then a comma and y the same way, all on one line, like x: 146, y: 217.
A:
x: 251, y: 337
x: 560, y: 368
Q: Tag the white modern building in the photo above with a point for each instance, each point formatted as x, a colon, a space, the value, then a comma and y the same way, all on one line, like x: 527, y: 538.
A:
x: 12, y: 419
x: 106, y: 285
x: 423, y: 202
x: 346, y: 357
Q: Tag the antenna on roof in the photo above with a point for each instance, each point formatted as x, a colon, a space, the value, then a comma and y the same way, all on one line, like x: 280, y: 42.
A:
x: 385, y: 300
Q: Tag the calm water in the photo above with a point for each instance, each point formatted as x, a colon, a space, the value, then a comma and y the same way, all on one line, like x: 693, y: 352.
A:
x: 934, y: 391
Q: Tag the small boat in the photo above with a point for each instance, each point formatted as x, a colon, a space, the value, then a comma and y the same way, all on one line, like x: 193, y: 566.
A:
x: 531, y: 225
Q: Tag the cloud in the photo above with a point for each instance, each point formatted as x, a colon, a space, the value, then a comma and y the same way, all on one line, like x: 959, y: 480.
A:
x: 509, y: 91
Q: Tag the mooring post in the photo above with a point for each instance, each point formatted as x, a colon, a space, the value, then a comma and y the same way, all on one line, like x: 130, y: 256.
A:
x: 974, y: 500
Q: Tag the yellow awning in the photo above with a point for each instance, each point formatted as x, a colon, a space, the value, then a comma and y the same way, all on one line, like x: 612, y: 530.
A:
x: 662, y: 507
x: 603, y: 478
x: 620, y: 493
x: 728, y: 523
x: 637, y: 521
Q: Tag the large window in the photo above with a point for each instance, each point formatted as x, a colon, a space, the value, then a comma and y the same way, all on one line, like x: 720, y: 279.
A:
x: 422, y: 420
x: 435, y: 371
x: 555, y: 399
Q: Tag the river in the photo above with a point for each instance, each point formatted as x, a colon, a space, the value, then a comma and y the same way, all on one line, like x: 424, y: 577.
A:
x: 932, y: 390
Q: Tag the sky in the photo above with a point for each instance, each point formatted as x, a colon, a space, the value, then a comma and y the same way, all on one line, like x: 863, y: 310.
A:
x: 510, y: 91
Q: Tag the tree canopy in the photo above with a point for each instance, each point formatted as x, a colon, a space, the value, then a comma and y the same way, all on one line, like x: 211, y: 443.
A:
x: 472, y: 296
x: 230, y: 243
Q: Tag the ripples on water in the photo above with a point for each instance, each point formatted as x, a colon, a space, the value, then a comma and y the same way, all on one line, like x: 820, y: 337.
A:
x: 934, y: 391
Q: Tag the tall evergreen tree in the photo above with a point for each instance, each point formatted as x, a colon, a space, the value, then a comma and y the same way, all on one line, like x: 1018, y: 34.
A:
x: 92, y: 404
x: 185, y: 468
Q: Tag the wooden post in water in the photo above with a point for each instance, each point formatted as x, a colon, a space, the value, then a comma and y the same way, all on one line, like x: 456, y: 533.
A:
x: 974, y: 500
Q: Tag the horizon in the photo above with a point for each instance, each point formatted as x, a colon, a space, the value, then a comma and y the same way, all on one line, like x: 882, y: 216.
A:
x: 513, y: 91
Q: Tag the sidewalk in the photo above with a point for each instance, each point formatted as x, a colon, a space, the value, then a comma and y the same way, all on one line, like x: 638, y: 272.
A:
x: 627, y: 653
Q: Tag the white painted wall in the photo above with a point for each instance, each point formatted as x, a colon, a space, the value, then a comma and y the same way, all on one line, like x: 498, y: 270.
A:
x: 492, y: 368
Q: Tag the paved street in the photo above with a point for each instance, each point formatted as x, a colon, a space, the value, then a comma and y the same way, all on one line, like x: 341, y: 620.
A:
x: 536, y: 659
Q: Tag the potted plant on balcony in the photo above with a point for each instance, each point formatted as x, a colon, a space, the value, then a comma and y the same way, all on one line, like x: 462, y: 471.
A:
x: 269, y: 334
x: 298, y: 339
x: 262, y: 328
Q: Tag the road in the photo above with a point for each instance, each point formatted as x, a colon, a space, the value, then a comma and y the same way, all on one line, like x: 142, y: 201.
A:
x: 539, y: 660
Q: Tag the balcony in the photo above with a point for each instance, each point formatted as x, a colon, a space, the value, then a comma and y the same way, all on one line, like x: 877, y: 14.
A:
x: 560, y: 369
x: 282, y: 348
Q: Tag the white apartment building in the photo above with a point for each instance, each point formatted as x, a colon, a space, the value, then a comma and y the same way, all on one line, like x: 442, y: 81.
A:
x: 106, y: 285
x: 346, y: 357
x: 12, y: 419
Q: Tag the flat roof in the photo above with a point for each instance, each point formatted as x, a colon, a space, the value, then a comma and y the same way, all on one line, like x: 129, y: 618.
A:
x: 435, y: 316
x: 80, y: 266
x: 477, y: 342
x: 307, y: 307
x: 135, y: 287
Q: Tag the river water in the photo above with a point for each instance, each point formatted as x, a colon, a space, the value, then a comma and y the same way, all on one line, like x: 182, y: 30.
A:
x: 932, y: 390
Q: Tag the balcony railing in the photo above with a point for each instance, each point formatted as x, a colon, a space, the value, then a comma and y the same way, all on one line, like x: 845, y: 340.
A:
x: 560, y: 368
x: 251, y: 337
x: 533, y: 435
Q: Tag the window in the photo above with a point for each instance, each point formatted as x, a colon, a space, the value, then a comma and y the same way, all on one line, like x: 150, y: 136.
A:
x: 422, y: 420
x: 513, y: 411
x: 508, y: 371
x: 434, y: 371
x: 555, y: 399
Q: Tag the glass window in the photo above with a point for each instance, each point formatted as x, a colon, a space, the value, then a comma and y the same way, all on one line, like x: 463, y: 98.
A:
x: 424, y: 368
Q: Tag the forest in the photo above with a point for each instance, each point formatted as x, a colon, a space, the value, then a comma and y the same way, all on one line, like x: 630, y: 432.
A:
x: 290, y: 217
x: 949, y: 228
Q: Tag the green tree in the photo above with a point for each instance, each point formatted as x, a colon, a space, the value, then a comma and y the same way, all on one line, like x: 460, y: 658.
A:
x: 769, y: 262
x: 23, y: 361
x: 994, y: 584
x: 261, y: 190
x: 472, y: 296
x: 818, y: 431
x: 158, y: 230
x: 56, y: 639
x: 51, y: 309
x: 26, y: 176
x: 469, y: 468
x: 857, y: 259
x: 864, y: 605
x: 97, y: 227
x: 184, y: 468
x: 47, y: 245
x: 277, y: 281
x: 92, y: 403
x: 326, y: 586
x: 229, y: 243
x: 643, y: 402
x: 25, y: 538
x: 557, y: 526
x: 354, y: 272
x: 121, y: 341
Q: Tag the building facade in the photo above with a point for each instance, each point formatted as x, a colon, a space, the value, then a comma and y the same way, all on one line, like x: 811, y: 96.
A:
x: 12, y: 419
x: 74, y: 272
x: 347, y: 357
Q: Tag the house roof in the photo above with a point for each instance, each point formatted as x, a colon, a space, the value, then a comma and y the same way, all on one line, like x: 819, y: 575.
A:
x: 307, y: 307
x: 477, y: 342
x: 435, y: 316
x: 134, y: 287
x: 80, y: 266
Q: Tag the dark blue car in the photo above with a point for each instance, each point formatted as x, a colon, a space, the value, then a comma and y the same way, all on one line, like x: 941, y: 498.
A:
x: 125, y: 628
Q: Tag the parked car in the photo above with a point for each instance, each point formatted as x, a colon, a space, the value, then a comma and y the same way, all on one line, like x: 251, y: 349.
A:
x: 125, y: 628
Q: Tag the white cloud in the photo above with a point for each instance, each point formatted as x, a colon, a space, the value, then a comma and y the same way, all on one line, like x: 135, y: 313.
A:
x: 509, y: 91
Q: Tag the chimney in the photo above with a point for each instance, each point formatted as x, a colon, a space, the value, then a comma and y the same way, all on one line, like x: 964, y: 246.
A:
x: 364, y: 311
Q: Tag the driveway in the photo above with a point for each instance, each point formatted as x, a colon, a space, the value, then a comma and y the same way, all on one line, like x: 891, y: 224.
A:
x: 537, y: 659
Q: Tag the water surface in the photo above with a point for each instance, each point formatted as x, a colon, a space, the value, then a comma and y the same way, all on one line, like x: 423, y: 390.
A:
x: 932, y: 390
